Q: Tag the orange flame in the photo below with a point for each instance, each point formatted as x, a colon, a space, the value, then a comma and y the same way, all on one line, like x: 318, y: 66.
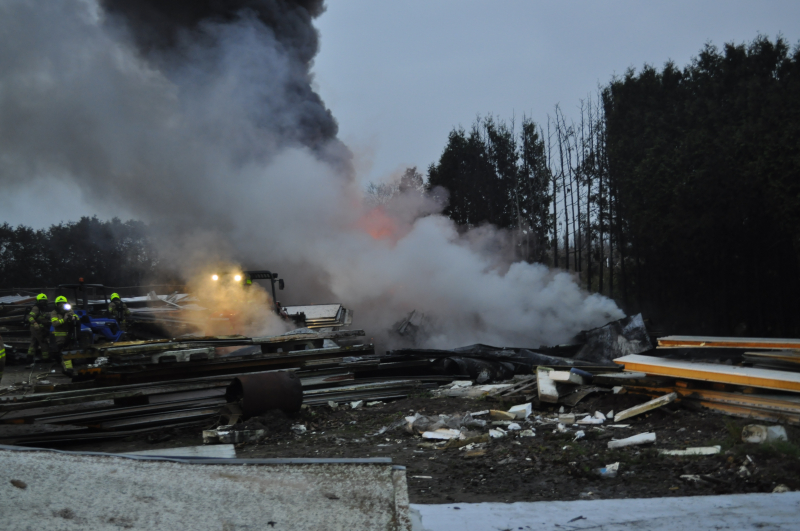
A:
x: 379, y: 225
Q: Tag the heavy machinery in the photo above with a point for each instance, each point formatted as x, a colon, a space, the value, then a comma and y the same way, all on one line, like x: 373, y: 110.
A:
x: 88, y: 307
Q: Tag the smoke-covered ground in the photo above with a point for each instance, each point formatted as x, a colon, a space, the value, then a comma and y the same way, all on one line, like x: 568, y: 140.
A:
x: 202, y: 121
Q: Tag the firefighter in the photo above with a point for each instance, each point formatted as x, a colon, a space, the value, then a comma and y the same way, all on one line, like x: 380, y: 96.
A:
x: 39, y: 321
x: 62, y: 319
x: 119, y: 311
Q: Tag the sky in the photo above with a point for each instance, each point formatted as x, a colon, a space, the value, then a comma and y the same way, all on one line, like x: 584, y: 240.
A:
x: 398, y: 76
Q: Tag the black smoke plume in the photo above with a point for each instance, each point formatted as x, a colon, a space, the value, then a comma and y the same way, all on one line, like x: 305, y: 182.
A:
x: 169, y: 30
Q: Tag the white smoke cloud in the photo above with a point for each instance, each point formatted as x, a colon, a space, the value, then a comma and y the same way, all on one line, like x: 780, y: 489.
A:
x: 191, y: 142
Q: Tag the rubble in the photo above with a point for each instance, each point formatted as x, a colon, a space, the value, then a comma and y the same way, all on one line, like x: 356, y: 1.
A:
x: 635, y: 440
x: 705, y: 450
x: 608, y: 471
x: 521, y: 411
x: 540, y: 422
x: 756, y: 433
x: 647, y: 406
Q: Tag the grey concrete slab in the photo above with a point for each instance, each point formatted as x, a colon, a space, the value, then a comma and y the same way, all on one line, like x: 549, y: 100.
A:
x: 42, y: 490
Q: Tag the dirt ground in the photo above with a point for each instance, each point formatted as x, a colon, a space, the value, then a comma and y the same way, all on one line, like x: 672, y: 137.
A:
x: 551, y: 465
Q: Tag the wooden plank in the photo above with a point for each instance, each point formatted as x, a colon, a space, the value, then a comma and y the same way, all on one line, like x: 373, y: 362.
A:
x: 711, y: 372
x: 752, y: 413
x: 788, y: 355
x: 727, y: 342
x: 777, y: 403
x: 644, y: 408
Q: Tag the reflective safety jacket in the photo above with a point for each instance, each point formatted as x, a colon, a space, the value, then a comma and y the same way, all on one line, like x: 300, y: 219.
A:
x: 36, y: 315
x: 60, y: 322
x: 2, y: 354
x: 118, y: 309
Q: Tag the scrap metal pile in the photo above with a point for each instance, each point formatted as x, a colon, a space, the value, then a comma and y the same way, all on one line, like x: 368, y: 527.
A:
x: 125, y: 388
x: 13, y: 327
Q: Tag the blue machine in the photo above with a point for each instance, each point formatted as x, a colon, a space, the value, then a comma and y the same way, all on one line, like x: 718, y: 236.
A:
x: 92, y: 329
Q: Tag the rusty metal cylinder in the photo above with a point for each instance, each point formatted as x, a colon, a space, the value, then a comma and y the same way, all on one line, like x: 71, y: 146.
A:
x: 264, y: 391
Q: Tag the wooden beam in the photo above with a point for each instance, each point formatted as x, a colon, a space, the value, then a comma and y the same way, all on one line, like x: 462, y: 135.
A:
x: 711, y: 372
x: 647, y: 406
x: 727, y: 342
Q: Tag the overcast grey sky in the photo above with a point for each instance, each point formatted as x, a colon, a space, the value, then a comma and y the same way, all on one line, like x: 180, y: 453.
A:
x: 398, y: 76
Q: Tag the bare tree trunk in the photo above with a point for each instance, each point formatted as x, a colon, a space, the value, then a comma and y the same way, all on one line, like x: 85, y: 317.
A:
x: 589, y: 175
x: 578, y: 172
x: 611, y: 232
x: 564, y: 186
x: 601, y: 147
x: 572, y: 194
x: 555, y: 197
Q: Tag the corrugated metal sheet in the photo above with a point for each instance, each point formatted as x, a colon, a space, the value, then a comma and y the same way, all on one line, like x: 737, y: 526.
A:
x: 16, y: 299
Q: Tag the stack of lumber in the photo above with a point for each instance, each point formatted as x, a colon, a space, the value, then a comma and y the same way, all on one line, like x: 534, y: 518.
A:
x: 129, y: 389
x: 765, y: 385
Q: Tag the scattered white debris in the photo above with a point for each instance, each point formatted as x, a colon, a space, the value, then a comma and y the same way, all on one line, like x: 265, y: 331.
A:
x: 781, y: 489
x: 567, y: 419
x: 228, y: 435
x: 496, y: 414
x: 609, y: 471
x: 579, y: 435
x: 332, y: 404
x: 375, y: 403
x: 567, y: 377
x: 461, y: 383
x: 548, y: 392
x: 700, y: 450
x: 757, y: 433
x: 527, y: 433
x: 442, y: 433
x: 599, y: 415
x: 618, y: 390
x: 299, y: 428
x: 590, y: 420
x: 610, y: 414
x: 497, y: 433
x: 479, y: 413
x: 513, y: 426
x: 521, y: 411
x: 642, y: 438
x: 357, y: 404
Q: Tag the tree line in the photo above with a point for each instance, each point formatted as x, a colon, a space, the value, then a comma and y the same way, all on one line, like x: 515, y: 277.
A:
x: 676, y: 191
x: 113, y: 252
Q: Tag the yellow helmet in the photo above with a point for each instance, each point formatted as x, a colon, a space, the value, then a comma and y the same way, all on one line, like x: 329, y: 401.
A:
x: 41, y: 297
x: 61, y: 298
x: 114, y: 296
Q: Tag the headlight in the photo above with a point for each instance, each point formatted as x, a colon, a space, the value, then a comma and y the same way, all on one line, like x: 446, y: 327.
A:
x: 238, y: 278
x: 214, y: 277
x: 67, y: 306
